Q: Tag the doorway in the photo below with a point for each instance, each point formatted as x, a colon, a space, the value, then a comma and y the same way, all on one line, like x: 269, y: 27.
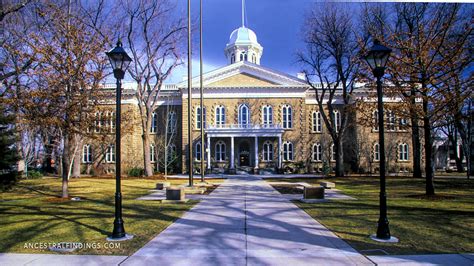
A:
x: 244, y: 154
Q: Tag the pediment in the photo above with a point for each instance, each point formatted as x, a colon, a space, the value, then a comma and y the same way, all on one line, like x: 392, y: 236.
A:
x: 245, y: 74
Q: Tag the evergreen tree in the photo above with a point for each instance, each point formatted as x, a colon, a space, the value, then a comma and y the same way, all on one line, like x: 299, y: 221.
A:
x: 8, y: 152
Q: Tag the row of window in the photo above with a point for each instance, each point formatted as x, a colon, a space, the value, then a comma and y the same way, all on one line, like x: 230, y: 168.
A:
x: 220, y: 152
x: 104, y: 122
x: 391, y: 124
x: 244, y: 116
x: 243, y: 57
x: 171, y: 122
x: 317, y: 121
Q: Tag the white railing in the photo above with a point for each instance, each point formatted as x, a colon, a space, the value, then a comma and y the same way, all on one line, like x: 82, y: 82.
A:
x: 245, y: 126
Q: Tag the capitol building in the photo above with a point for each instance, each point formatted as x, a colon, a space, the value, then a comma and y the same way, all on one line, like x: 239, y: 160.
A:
x: 255, y: 119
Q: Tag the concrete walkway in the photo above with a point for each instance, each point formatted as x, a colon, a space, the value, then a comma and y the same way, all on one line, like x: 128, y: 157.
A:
x: 246, y: 222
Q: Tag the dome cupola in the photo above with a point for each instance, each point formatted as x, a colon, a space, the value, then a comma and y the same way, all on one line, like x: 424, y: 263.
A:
x: 243, y: 44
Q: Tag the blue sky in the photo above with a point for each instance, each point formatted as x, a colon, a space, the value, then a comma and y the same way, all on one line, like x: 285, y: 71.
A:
x: 277, y: 24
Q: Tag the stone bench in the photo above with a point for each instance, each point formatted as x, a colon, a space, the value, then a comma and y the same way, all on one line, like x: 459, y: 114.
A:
x: 313, y: 192
x: 328, y: 185
x: 162, y: 185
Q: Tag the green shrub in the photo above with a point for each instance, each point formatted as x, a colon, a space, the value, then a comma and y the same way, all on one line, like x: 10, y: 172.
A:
x: 34, y: 174
x: 8, y: 179
x: 326, y: 168
x: 136, y: 172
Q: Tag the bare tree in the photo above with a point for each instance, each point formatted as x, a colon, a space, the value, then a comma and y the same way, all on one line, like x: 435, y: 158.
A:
x: 153, y: 35
x: 331, y: 65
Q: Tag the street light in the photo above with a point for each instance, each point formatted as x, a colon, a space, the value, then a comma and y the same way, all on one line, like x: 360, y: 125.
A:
x: 119, y: 60
x: 377, y: 59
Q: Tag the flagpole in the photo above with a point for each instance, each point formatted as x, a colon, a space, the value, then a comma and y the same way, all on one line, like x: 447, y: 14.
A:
x: 190, y: 137
x: 203, y: 118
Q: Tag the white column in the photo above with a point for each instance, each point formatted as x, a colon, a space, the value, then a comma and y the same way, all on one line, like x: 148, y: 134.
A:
x: 231, y: 152
x: 279, y: 151
x: 256, y: 152
x: 208, y: 152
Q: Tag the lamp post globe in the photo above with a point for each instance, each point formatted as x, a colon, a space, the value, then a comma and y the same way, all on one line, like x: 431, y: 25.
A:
x: 119, y: 60
x: 377, y: 59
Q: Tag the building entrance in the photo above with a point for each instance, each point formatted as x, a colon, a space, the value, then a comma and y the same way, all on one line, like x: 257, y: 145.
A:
x: 244, y: 154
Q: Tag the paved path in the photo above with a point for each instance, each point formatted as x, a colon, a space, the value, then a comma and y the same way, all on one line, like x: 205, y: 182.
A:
x: 246, y: 222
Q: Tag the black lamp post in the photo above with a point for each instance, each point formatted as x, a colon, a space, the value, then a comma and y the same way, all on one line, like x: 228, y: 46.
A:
x: 377, y: 59
x: 119, y: 60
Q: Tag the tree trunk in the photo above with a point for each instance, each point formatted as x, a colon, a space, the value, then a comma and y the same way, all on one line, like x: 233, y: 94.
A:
x: 339, y: 159
x: 65, y: 166
x: 146, y: 154
x: 415, y: 137
x: 430, y: 190
x: 454, y: 142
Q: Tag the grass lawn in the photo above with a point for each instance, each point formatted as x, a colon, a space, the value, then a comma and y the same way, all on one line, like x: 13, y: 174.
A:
x: 444, y: 224
x: 32, y: 213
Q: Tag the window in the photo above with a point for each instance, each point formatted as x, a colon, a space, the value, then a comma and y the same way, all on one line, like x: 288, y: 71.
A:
x: 198, y: 117
x: 172, y: 122
x: 390, y: 121
x: 376, y: 152
x: 171, y: 152
x: 376, y: 120
x: 220, y: 151
x: 197, y: 151
x: 333, y: 153
x: 110, y: 154
x: 317, y: 122
x: 403, y: 152
x: 267, y: 113
x: 244, y: 115
x: 254, y: 59
x: 287, y: 151
x: 402, y: 124
x: 220, y: 116
x: 232, y: 59
x: 86, y: 154
x: 267, y: 151
x: 287, y: 116
x: 152, y: 153
x: 97, y: 122
x: 243, y: 57
x: 337, y: 120
x: 154, y: 123
x: 317, y: 153
x: 112, y: 121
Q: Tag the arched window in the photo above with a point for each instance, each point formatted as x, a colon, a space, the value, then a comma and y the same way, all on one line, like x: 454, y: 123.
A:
x: 267, y: 151
x: 287, y: 116
x: 317, y: 122
x: 152, y: 153
x: 333, y: 153
x: 154, y: 123
x: 376, y: 152
x: 267, y: 113
x: 317, y: 152
x: 172, y: 122
x: 171, y: 152
x: 232, y: 59
x: 110, y: 154
x: 254, y: 59
x: 197, y: 151
x: 86, y: 154
x: 199, y: 117
x: 287, y: 151
x: 337, y: 120
x: 376, y: 120
x: 390, y: 121
x: 242, y: 57
x: 244, y: 115
x: 246, y: 57
x: 403, y: 152
x: 220, y: 151
x: 220, y: 116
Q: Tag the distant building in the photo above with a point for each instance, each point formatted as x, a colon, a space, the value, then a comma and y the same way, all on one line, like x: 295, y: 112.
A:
x: 255, y: 119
